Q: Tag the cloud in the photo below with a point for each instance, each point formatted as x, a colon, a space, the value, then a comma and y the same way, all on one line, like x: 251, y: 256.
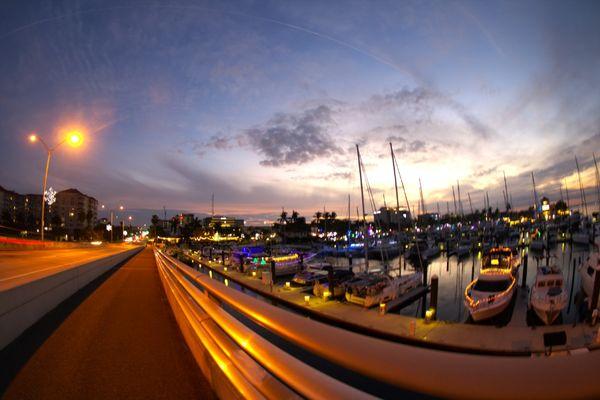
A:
x: 294, y: 138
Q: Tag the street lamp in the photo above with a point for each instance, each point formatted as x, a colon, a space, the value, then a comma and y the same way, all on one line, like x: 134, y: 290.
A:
x: 112, y: 213
x: 74, y: 139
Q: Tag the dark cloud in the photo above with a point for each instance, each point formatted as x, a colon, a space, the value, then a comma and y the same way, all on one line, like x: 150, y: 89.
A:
x: 294, y: 138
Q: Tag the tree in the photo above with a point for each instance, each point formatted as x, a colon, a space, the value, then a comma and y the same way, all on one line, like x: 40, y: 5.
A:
x: 283, y: 217
x: 294, y: 216
x: 333, y: 215
x: 318, y: 215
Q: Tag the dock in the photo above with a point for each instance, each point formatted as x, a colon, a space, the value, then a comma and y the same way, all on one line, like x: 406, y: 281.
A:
x: 517, y: 339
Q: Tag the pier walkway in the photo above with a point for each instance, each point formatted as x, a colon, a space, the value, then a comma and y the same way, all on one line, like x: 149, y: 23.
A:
x: 121, y: 342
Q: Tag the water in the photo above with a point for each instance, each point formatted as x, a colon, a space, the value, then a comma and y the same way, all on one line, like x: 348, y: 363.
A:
x: 455, y: 275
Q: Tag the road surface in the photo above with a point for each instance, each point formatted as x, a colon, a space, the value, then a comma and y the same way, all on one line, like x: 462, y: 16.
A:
x: 21, y: 266
x: 121, y: 342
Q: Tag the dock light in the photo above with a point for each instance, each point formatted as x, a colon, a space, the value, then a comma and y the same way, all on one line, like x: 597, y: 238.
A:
x: 226, y: 282
x: 254, y: 274
x: 326, y: 295
x: 429, y: 314
x: 307, y: 299
x: 210, y: 274
x: 225, y: 269
x: 382, y: 308
x: 288, y: 285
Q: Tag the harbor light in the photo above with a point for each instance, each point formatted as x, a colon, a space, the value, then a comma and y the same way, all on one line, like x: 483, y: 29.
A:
x: 287, y: 285
x: 326, y: 295
x: 210, y: 274
x: 307, y: 299
x: 225, y: 269
x: 382, y: 307
x: 226, y: 282
x: 254, y: 274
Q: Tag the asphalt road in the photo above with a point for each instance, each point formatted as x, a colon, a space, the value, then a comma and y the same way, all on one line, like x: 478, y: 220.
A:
x: 19, y: 267
x: 121, y: 342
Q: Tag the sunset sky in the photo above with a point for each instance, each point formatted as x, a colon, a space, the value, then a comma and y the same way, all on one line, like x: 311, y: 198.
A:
x: 262, y: 102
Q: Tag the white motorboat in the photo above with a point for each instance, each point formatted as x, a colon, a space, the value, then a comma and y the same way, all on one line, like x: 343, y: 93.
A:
x: 314, y: 272
x: 588, y: 272
x: 548, y: 297
x: 369, y: 290
x: 490, y: 294
x: 500, y: 260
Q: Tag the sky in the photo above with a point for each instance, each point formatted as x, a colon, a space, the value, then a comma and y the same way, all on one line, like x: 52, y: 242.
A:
x: 262, y: 103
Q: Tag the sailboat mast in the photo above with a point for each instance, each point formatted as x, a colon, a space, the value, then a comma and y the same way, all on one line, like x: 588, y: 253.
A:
x: 581, y: 187
x: 460, y: 207
x: 535, y: 199
x: 597, y: 180
x: 397, y: 207
x: 506, y: 191
x: 423, y: 209
x: 470, y: 204
x: 567, y: 193
x: 454, y: 199
x: 364, y: 216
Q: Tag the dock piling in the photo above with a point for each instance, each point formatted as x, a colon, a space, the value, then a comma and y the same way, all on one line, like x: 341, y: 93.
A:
x: 525, y: 262
x: 593, y: 304
x: 434, y: 294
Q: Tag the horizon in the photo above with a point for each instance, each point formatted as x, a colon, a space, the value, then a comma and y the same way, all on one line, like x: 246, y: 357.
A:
x: 176, y: 100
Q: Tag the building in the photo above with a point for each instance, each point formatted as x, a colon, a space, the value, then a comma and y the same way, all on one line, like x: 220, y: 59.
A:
x: 11, y: 204
x: 390, y: 217
x: 224, y: 225
x: 76, y: 211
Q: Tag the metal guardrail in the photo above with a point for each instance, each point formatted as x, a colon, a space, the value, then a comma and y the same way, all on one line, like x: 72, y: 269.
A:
x: 408, y: 368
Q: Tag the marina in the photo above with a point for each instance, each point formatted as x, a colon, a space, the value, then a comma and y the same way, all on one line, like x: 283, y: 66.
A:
x: 516, y: 333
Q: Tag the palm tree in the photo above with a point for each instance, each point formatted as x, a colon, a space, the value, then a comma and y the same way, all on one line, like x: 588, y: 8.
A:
x: 283, y: 217
x: 333, y: 215
x: 294, y: 216
x: 318, y: 216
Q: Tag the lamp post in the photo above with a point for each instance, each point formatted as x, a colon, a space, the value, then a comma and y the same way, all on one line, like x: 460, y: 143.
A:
x: 112, y: 214
x: 75, y: 139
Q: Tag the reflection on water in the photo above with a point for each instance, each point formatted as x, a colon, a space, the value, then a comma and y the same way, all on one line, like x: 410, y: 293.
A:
x: 454, y: 275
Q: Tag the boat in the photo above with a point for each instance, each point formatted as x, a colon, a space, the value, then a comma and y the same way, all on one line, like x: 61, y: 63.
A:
x: 369, y: 290
x: 548, y: 297
x: 340, y: 277
x: 314, y: 272
x: 463, y: 248
x: 500, y: 260
x: 285, y: 264
x: 489, y: 295
x: 581, y: 238
x: 588, y: 271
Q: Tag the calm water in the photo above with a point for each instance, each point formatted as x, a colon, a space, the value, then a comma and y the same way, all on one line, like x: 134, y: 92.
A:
x: 455, y: 275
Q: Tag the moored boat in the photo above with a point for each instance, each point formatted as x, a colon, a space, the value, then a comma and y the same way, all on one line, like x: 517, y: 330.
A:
x: 489, y: 295
x: 548, y: 297
x: 369, y: 290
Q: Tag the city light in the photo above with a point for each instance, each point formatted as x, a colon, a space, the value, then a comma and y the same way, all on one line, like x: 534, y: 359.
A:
x: 33, y: 138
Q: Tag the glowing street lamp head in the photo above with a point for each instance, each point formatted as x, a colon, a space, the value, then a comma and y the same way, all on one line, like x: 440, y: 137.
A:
x: 75, y: 138
x: 121, y: 208
x: 33, y: 138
